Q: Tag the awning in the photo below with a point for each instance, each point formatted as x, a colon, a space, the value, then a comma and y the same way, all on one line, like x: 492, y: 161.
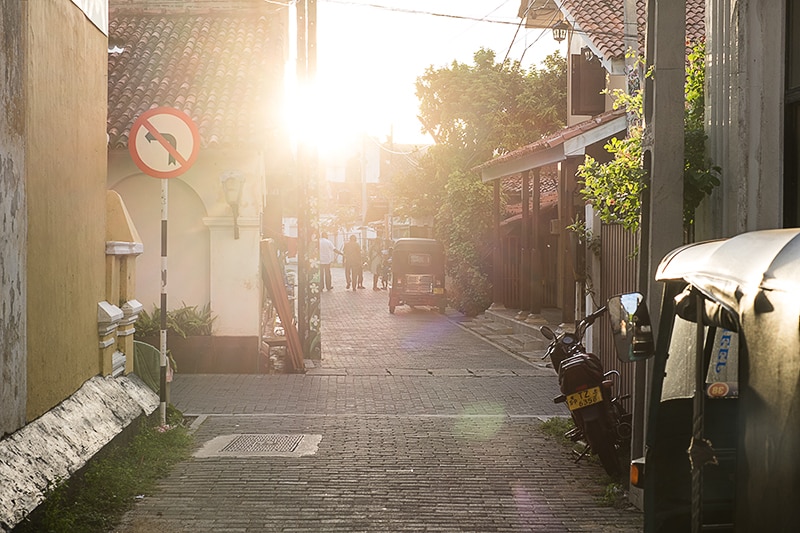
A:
x: 568, y: 142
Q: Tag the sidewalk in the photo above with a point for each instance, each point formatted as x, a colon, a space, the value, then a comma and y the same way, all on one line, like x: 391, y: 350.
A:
x: 411, y: 422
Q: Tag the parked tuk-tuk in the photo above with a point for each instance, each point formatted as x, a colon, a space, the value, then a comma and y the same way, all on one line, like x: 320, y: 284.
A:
x: 417, y: 274
x: 728, y: 457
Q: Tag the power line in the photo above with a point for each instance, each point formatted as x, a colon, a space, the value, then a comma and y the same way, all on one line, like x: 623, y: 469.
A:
x: 418, y: 12
x: 519, y: 26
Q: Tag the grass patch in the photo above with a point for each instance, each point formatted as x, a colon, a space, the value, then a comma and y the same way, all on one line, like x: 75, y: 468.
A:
x: 556, y: 427
x: 95, y: 499
x: 614, y: 495
x: 613, y: 492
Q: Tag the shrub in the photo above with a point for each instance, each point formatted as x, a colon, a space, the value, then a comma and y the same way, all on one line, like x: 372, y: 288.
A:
x: 185, y: 321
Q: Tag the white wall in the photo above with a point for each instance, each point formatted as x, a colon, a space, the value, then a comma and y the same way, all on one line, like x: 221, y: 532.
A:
x: 205, y: 264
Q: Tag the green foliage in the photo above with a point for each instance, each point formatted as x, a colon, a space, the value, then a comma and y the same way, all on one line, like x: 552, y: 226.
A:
x: 464, y: 223
x: 586, y: 236
x: 189, y: 321
x: 186, y: 321
x: 700, y: 176
x: 474, y: 112
x: 95, y: 500
x: 556, y: 427
x: 615, y: 188
x: 148, y: 324
x: 614, y: 495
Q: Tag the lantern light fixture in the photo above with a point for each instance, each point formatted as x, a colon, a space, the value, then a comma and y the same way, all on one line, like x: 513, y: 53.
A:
x: 232, y: 184
x: 560, y: 31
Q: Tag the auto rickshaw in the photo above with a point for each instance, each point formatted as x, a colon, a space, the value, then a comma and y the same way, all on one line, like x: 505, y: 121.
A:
x: 723, y: 424
x: 417, y: 274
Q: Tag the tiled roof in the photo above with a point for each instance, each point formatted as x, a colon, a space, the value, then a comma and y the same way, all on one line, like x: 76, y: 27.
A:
x: 217, y: 65
x: 555, y: 139
x: 548, y: 182
x: 602, y: 22
x: 548, y: 190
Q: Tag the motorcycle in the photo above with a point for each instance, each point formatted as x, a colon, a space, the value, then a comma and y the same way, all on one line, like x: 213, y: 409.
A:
x: 601, y: 421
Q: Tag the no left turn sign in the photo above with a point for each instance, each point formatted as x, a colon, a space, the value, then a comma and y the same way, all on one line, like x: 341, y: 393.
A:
x: 164, y: 142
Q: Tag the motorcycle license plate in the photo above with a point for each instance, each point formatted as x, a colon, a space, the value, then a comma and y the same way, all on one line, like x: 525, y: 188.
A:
x: 584, y: 398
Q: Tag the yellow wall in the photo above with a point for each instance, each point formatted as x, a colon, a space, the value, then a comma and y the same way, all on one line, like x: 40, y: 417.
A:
x: 66, y: 61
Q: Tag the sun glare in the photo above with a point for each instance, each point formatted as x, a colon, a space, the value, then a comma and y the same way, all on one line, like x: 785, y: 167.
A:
x: 323, y: 117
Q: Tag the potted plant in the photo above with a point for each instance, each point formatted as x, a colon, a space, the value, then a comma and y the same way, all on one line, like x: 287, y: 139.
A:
x: 189, y: 331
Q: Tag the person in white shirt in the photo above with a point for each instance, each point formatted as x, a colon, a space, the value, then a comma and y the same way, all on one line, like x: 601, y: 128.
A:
x: 326, y: 255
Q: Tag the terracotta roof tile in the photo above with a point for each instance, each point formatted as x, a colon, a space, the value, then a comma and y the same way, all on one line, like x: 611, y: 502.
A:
x: 219, y: 68
x: 602, y: 22
x: 555, y: 139
x: 548, y: 190
x: 548, y: 182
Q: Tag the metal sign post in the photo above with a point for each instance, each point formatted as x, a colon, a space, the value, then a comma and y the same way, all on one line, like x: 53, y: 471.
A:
x: 164, y: 143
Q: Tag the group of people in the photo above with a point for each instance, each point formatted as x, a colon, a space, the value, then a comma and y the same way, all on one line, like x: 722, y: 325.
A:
x: 353, y: 264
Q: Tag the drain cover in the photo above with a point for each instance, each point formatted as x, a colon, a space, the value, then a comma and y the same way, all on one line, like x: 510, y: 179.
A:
x: 260, y: 445
x: 263, y: 443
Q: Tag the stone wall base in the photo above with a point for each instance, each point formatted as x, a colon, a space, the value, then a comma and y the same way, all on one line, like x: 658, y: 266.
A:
x: 60, y: 442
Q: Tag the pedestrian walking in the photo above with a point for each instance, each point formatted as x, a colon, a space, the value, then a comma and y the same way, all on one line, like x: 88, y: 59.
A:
x: 375, y: 266
x: 353, y: 271
x: 326, y: 256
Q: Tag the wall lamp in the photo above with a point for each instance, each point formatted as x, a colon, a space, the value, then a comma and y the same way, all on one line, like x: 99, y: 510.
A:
x: 232, y: 183
x: 588, y: 55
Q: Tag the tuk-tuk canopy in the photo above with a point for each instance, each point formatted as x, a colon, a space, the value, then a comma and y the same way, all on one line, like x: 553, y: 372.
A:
x: 725, y: 270
x: 411, y: 244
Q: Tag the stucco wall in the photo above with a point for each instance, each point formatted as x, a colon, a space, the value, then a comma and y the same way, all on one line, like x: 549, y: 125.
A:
x: 744, y: 109
x: 205, y: 264
x: 66, y: 61
x: 13, y: 227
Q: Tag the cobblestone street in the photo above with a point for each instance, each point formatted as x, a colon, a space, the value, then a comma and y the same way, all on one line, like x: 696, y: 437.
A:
x: 412, y: 423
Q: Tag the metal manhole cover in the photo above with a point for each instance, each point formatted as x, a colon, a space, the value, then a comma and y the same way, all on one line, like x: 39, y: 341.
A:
x: 260, y: 445
x: 263, y: 443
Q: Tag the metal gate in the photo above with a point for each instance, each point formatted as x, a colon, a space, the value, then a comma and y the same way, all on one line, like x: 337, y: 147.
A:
x: 619, y: 264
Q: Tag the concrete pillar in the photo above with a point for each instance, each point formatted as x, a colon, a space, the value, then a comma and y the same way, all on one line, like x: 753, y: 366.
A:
x: 108, y: 317
x: 662, y: 201
x: 235, y: 286
x: 662, y: 142
x: 125, y: 331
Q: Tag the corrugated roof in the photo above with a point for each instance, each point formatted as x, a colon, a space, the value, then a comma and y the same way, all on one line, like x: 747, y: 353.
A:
x: 219, y: 66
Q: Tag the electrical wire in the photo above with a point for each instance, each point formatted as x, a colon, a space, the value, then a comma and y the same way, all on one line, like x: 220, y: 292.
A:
x: 519, y: 26
x: 418, y: 12
x: 541, y: 34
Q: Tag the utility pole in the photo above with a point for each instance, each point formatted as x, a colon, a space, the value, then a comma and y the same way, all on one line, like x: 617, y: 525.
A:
x: 308, y: 175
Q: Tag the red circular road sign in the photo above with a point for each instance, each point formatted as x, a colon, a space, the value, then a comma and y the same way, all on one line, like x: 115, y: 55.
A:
x: 164, y: 142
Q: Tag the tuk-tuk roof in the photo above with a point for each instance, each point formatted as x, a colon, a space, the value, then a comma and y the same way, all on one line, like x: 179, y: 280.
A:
x: 724, y: 270
x: 413, y: 244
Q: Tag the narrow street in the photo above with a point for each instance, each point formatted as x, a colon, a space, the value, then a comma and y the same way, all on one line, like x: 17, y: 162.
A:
x: 409, y: 423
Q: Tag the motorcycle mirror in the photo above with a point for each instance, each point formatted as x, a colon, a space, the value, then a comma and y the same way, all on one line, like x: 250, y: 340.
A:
x: 547, y: 332
x: 630, y: 325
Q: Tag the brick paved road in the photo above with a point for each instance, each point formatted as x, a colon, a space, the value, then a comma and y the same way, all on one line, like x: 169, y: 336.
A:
x: 423, y: 427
